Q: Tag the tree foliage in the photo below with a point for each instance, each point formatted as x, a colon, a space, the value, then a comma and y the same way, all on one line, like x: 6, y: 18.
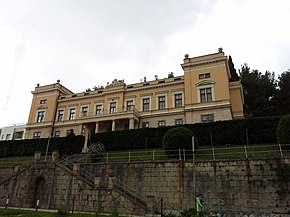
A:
x: 259, y: 92
x: 177, y: 138
x: 233, y: 71
x: 283, y: 130
x: 283, y: 94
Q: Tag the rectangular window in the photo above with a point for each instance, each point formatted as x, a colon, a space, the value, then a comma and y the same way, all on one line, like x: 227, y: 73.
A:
x: 72, y: 114
x: 145, y: 124
x: 205, y: 95
x: 207, y: 118
x: 8, y: 136
x: 112, y: 107
x: 36, y: 135
x: 60, y: 115
x: 146, y: 105
x: 57, y: 134
x: 84, y: 111
x: 203, y: 76
x: 40, y: 116
x: 99, y: 109
x: 161, y: 102
x: 178, y: 100
x: 161, y: 123
x: 178, y: 121
x: 129, y: 105
x: 43, y: 101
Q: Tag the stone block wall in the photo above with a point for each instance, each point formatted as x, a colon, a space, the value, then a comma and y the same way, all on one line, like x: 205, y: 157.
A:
x: 241, y: 186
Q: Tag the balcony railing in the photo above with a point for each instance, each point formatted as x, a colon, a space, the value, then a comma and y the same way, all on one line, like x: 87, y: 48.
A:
x: 110, y: 112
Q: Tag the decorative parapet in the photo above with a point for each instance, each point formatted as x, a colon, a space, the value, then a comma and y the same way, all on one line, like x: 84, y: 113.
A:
x: 116, y: 83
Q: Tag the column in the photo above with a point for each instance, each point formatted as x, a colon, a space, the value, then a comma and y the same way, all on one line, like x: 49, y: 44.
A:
x: 131, y: 124
x: 97, y: 127
x: 85, y: 148
x: 113, y: 125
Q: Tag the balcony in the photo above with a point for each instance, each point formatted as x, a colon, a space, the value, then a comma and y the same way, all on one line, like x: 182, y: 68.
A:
x: 112, y: 113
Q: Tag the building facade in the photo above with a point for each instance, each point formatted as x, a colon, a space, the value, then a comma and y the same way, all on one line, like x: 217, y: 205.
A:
x: 203, y: 94
x: 13, y: 132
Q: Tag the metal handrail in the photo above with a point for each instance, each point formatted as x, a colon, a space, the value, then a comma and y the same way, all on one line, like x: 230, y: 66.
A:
x: 126, y: 189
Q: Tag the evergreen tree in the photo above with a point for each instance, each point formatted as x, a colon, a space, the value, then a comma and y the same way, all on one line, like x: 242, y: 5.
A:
x: 233, y: 71
x: 259, y: 92
x: 283, y: 94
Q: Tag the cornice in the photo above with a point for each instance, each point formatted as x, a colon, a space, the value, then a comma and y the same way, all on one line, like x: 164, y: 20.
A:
x: 204, y: 62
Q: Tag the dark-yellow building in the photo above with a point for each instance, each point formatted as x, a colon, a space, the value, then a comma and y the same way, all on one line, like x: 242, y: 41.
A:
x: 203, y: 94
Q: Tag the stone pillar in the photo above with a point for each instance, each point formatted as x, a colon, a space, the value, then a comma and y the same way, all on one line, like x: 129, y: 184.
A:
x: 76, y: 168
x: 111, y: 182
x: 54, y: 156
x: 131, y: 124
x: 37, y: 155
x: 113, y: 125
x: 97, y: 127
x: 85, y: 148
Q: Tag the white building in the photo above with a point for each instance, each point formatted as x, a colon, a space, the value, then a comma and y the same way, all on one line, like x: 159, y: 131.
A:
x: 12, y: 132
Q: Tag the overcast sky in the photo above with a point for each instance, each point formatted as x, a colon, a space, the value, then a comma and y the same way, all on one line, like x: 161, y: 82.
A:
x: 91, y: 42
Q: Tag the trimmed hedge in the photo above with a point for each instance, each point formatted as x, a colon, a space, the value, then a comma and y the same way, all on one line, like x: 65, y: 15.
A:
x: 234, y: 132
x: 27, y: 147
x: 283, y: 130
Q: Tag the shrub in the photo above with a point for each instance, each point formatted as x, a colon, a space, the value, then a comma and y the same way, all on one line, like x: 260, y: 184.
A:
x: 96, y: 152
x: 188, y: 213
x: 62, y: 211
x: 115, y: 213
x: 177, y: 138
x: 283, y: 130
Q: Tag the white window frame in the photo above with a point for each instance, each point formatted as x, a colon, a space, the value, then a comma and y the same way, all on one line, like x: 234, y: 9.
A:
x: 204, y: 86
x: 126, y: 104
x: 145, y: 124
x: 173, y: 98
x: 57, y: 118
x: 38, y: 133
x: 95, y: 108
x: 87, y: 113
x: 161, y: 125
x: 37, y: 116
x: 176, y: 121
x: 157, y: 101
x: 141, y: 103
x: 109, y: 106
x: 69, y: 112
x: 207, y: 115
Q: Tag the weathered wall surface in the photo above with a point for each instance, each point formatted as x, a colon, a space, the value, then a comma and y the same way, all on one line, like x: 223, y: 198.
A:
x: 243, y: 187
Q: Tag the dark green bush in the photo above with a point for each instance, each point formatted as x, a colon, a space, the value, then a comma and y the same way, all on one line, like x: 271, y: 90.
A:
x: 188, y: 212
x: 177, y: 138
x: 27, y: 147
x: 283, y: 130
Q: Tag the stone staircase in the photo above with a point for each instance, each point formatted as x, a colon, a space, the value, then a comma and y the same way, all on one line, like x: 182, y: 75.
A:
x: 89, y: 178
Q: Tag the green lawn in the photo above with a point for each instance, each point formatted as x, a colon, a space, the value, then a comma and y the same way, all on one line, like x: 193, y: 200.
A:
x: 26, y: 213
x: 18, y: 160
x: 202, y: 153
x: 241, y: 152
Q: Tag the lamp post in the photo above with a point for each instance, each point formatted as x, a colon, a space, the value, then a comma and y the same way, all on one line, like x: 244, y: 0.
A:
x: 47, y: 146
x: 194, y: 168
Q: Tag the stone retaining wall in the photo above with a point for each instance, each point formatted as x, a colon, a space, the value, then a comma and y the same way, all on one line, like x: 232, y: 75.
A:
x: 259, y: 187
